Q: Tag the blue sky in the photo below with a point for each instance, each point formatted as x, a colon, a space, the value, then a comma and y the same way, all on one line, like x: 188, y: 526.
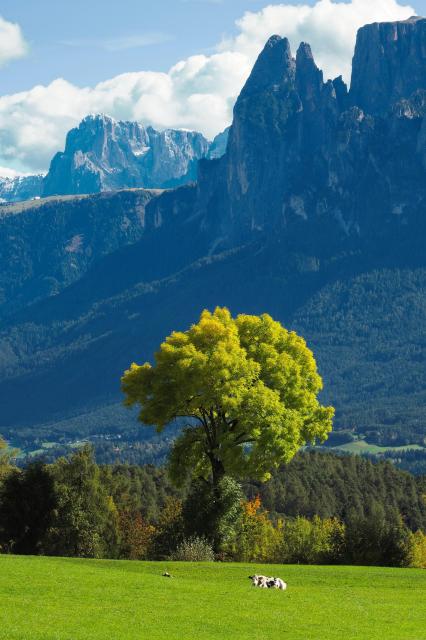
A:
x: 85, y: 40
x: 65, y: 35
x: 168, y: 63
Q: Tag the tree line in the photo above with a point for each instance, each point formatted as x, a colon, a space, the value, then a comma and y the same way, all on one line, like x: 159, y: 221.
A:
x: 77, y: 508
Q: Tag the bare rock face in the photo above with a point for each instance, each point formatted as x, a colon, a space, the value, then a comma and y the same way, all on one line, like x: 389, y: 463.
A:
x: 103, y: 154
x: 218, y: 145
x: 317, y: 166
x: 389, y: 64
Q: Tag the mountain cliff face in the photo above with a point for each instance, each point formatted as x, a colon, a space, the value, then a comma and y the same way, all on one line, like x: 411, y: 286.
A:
x: 316, y: 214
x: 389, y: 64
x: 341, y: 173
x: 103, y: 154
x: 219, y: 144
x: 20, y: 188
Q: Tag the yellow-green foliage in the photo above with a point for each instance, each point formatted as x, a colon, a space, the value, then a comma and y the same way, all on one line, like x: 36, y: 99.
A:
x: 418, y: 550
x: 256, y: 537
x: 5, y: 459
x: 248, y: 387
x: 313, y: 541
x: 303, y: 541
x: 4, y: 467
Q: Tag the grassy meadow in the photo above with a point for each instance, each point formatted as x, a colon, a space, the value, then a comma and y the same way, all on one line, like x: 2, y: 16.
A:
x: 70, y: 599
x: 361, y: 446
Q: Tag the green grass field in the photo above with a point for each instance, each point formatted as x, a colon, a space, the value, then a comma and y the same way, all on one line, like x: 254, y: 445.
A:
x: 361, y: 446
x: 58, y: 599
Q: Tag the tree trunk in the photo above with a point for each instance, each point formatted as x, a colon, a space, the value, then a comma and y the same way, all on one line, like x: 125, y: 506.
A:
x: 218, y: 472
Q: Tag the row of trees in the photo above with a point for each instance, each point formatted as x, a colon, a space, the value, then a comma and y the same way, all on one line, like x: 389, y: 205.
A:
x: 329, y: 485
x: 77, y: 508
x: 369, y: 540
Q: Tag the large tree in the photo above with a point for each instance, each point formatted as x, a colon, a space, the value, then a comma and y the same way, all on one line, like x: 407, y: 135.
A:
x: 27, y: 509
x: 247, y: 388
x: 86, y: 518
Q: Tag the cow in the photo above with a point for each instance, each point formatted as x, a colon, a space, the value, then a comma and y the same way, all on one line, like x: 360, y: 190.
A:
x: 266, y: 582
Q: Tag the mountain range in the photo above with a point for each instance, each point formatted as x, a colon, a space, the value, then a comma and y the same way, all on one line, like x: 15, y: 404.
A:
x: 316, y: 214
x: 104, y: 154
x: 20, y: 188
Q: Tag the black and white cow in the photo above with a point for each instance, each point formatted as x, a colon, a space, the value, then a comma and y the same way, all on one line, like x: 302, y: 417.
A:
x: 266, y: 582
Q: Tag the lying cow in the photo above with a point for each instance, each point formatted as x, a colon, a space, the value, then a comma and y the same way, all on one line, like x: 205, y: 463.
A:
x: 266, y: 582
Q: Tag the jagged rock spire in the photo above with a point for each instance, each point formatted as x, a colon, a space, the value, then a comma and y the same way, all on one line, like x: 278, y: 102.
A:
x: 309, y: 78
x: 274, y: 66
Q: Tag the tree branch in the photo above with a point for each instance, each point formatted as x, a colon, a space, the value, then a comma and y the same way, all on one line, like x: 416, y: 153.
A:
x: 205, y: 423
x: 243, y: 439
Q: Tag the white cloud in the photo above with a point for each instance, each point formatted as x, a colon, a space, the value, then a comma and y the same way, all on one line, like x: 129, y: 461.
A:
x: 329, y: 27
x: 196, y: 93
x: 12, y: 43
x: 5, y: 172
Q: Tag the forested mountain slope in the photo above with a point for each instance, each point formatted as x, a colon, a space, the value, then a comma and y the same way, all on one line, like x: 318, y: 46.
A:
x: 316, y: 214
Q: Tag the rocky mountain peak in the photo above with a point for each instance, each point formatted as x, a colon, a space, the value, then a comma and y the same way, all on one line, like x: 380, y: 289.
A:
x: 20, y: 188
x: 275, y: 66
x: 304, y: 52
x: 309, y: 78
x: 97, y: 134
x: 103, y: 154
x: 389, y: 64
x: 332, y: 177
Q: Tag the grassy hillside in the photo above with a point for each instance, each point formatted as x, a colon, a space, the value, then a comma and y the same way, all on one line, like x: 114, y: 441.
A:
x: 361, y: 446
x: 58, y: 599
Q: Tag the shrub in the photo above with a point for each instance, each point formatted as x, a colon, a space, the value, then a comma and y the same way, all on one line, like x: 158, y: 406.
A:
x: 418, y: 550
x: 313, y: 541
x: 339, y: 438
x: 28, y: 503
x: 378, y: 540
x: 256, y: 538
x: 6, y: 456
x: 194, y: 550
x: 136, y: 536
x: 170, y: 530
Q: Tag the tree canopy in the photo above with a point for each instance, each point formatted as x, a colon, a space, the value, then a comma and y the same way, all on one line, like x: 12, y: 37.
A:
x: 6, y: 455
x: 247, y: 388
